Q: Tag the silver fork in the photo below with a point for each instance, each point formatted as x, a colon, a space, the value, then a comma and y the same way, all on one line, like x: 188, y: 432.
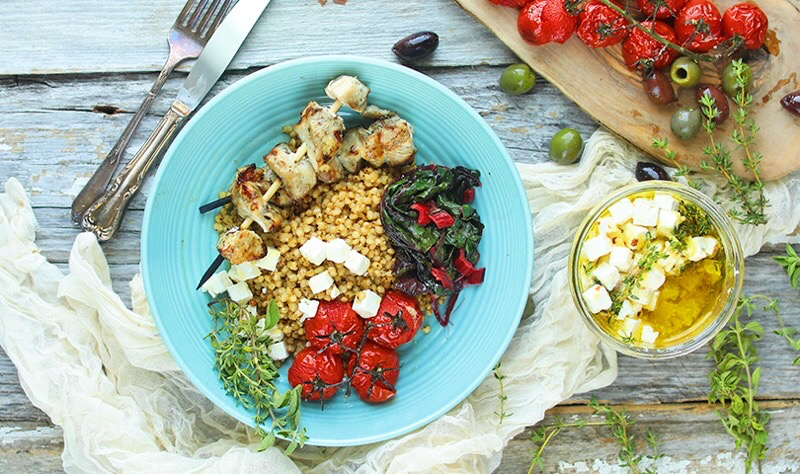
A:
x: 187, y: 38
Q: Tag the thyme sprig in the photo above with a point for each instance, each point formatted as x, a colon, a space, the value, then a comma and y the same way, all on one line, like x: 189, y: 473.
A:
x: 749, y: 195
x: 791, y: 263
x: 240, y: 341
x: 633, y: 280
x: 502, y: 414
x: 771, y: 306
x: 618, y: 422
x: 680, y: 169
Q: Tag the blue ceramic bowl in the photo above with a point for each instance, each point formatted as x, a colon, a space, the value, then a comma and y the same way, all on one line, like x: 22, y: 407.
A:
x: 243, y: 123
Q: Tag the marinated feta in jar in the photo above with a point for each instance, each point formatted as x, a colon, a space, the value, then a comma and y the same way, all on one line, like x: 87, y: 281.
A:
x: 651, y: 269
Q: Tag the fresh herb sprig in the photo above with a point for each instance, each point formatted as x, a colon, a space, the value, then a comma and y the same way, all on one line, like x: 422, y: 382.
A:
x: 681, y: 170
x: 771, y: 306
x: 791, y: 263
x: 633, y: 280
x: 618, y: 422
x: 502, y: 397
x: 734, y: 383
x: 241, y: 340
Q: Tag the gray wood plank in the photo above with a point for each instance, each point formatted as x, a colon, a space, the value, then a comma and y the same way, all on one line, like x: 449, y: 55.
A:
x: 51, y: 37
x: 30, y: 448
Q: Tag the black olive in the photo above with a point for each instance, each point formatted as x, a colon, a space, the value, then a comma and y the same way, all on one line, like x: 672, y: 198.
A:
x: 650, y: 172
x: 416, y: 46
x: 791, y: 102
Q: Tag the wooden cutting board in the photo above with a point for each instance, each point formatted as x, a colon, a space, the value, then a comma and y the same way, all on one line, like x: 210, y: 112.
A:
x: 598, y: 81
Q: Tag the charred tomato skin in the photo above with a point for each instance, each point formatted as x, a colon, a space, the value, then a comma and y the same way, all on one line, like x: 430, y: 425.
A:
x: 531, y: 25
x: 372, y: 370
x: 336, y: 327
x: 747, y: 21
x: 597, y: 16
x: 562, y: 23
x: 315, y: 371
x: 689, y: 16
x: 640, y: 46
x: 397, y: 322
x: 669, y: 10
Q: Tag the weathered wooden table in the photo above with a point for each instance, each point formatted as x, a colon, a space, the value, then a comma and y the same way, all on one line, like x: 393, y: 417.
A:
x: 72, y: 71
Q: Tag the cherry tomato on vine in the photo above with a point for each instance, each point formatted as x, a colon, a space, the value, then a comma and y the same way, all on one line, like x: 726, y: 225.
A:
x: 562, y: 15
x: 699, y: 26
x: 511, y: 3
x: 397, y: 322
x: 600, y: 25
x: 641, y: 52
x: 666, y: 9
x: 336, y: 327
x: 374, y: 373
x: 318, y: 373
x: 747, y: 21
x: 543, y: 21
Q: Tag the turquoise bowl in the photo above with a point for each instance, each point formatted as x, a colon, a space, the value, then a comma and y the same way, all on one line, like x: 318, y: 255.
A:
x: 244, y: 122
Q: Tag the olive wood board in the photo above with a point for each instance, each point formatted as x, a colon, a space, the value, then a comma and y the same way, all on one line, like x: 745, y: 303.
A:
x: 598, y: 81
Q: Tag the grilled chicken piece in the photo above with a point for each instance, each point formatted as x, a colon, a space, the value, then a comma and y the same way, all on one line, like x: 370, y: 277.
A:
x: 331, y: 170
x: 321, y: 132
x: 349, y: 91
x: 374, y: 113
x: 352, y: 150
x: 247, y: 196
x: 298, y: 175
x: 241, y: 245
x: 390, y: 141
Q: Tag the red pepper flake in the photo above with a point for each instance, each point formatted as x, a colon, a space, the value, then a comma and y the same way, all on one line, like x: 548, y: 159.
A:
x: 443, y: 277
x: 469, y: 195
x: 424, y: 217
x: 441, y: 218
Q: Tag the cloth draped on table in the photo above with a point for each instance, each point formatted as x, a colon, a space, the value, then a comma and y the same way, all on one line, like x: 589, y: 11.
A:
x: 101, y: 372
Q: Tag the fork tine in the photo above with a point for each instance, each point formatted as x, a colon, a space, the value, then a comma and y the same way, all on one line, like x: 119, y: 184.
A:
x: 196, y: 15
x: 210, y: 14
x: 215, y: 20
x: 183, y: 17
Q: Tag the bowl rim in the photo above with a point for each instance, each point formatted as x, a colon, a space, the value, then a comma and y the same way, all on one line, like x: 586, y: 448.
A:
x: 734, y: 258
x: 216, y: 396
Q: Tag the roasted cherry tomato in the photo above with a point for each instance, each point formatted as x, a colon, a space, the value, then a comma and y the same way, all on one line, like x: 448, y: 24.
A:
x: 600, y: 25
x: 666, y: 9
x: 374, y: 373
x: 640, y: 51
x: 511, y: 3
x: 531, y: 25
x: 397, y: 322
x: 747, y: 21
x: 562, y: 23
x: 317, y: 372
x: 702, y: 17
x: 336, y: 327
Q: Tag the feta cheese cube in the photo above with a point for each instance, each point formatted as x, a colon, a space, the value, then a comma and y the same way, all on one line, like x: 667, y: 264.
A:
x: 649, y: 336
x: 700, y: 248
x: 275, y: 334
x: 628, y: 327
x: 366, y: 303
x: 596, y: 247
x: 645, y: 213
x: 334, y: 291
x: 244, y: 271
x: 338, y: 250
x: 252, y: 309
x: 597, y: 299
x: 217, y: 284
x: 270, y: 261
x: 671, y: 264
x: 665, y: 201
x: 314, y: 250
x: 240, y: 292
x: 321, y: 282
x: 621, y: 211
x: 308, y: 308
x: 668, y: 221
x: 634, y: 236
x: 356, y: 263
x: 629, y: 309
x: 606, y: 226
x: 277, y: 351
x: 651, y: 305
x: 621, y: 257
x: 653, y: 279
x: 641, y: 295
x: 607, y: 275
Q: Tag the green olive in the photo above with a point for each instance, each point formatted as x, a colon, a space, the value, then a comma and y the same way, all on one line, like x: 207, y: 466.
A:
x: 517, y: 79
x: 685, y: 72
x: 729, y: 84
x: 686, y: 122
x: 566, y: 146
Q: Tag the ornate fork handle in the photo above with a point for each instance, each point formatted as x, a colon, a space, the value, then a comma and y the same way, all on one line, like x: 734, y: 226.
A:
x: 104, y: 217
x: 97, y: 184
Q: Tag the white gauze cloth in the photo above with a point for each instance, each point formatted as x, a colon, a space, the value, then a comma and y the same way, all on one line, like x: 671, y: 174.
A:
x: 101, y: 372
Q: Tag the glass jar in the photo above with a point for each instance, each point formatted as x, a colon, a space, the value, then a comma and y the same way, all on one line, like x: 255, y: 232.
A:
x: 733, y: 262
